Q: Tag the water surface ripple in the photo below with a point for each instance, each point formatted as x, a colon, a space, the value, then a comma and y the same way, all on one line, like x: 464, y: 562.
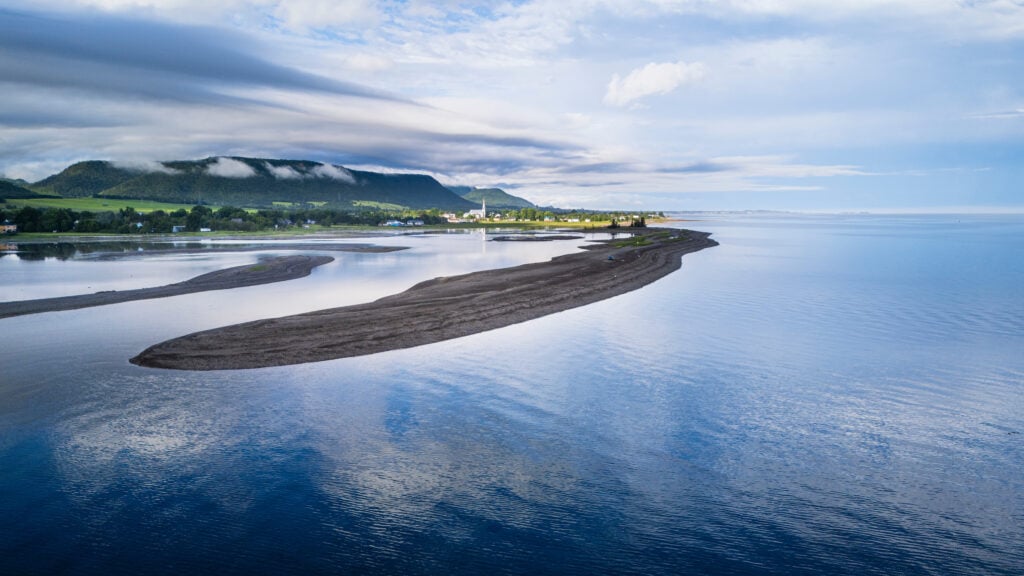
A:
x: 817, y: 395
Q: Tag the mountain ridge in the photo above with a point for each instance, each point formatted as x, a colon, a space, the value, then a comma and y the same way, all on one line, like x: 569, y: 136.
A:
x: 9, y: 189
x: 251, y: 182
x: 496, y: 197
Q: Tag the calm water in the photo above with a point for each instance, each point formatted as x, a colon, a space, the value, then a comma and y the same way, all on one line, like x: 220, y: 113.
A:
x: 840, y: 395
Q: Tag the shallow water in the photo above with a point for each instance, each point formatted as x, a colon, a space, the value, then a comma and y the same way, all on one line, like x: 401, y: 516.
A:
x: 816, y: 395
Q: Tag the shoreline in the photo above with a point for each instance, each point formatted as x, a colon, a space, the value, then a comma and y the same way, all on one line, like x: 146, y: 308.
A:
x: 276, y: 269
x: 438, y: 309
x: 242, y: 248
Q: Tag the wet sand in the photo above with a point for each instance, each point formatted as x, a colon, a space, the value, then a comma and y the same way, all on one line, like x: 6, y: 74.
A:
x: 436, y: 310
x: 263, y: 272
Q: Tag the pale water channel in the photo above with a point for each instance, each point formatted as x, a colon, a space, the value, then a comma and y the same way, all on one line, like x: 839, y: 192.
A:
x: 819, y: 394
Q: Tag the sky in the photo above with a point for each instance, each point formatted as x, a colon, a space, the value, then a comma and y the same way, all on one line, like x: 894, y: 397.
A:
x: 815, y: 105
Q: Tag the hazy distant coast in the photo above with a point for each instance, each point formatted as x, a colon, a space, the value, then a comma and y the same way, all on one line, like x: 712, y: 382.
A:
x: 438, y: 309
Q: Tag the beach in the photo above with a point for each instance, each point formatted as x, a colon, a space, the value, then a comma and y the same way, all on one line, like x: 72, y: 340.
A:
x: 438, y: 309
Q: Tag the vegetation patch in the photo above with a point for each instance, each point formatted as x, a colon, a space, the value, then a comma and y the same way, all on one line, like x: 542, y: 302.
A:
x: 97, y: 204
x: 633, y: 242
x: 377, y: 205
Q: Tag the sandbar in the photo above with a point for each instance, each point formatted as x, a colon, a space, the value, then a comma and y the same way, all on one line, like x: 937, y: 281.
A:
x: 264, y: 272
x: 438, y: 309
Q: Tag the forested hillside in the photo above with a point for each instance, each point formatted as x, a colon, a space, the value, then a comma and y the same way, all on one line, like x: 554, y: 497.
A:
x: 252, y: 182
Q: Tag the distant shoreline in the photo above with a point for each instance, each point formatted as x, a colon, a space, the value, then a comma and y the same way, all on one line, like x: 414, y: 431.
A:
x: 439, y: 309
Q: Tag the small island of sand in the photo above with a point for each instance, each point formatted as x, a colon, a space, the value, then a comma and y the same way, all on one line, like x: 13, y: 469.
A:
x: 438, y: 309
x: 264, y: 272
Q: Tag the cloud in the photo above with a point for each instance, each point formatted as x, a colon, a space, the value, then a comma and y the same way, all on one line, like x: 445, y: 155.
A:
x: 597, y: 168
x: 129, y: 56
x: 651, y: 79
x: 979, y: 19
x: 333, y: 172
x: 1014, y: 114
x: 304, y: 15
x: 505, y: 91
x: 701, y: 167
x: 282, y: 172
x: 369, y: 62
x: 147, y: 166
x: 317, y: 171
x: 230, y: 168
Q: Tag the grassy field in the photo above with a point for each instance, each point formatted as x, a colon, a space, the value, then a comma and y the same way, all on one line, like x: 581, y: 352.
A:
x: 96, y: 204
x: 377, y: 205
x: 541, y: 224
x: 292, y: 232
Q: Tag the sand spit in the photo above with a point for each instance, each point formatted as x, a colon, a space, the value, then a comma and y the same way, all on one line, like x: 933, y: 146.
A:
x: 536, y: 238
x: 264, y: 272
x: 438, y: 309
x: 254, y: 247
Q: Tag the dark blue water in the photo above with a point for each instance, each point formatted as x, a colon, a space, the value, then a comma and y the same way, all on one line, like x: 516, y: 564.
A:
x: 838, y: 395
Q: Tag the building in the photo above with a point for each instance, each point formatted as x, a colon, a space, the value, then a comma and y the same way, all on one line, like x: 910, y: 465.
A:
x: 8, y: 227
x: 479, y: 214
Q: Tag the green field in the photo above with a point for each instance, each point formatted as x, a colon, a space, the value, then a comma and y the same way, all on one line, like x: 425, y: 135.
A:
x: 378, y: 205
x: 96, y: 204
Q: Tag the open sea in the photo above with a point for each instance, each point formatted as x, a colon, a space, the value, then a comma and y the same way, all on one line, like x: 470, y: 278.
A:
x: 816, y: 395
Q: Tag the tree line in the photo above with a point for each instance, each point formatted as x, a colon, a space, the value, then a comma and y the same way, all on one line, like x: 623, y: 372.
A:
x: 129, y: 221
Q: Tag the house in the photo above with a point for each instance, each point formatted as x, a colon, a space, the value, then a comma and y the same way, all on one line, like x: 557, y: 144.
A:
x: 393, y: 223
x: 176, y: 229
x: 414, y: 222
x: 8, y: 227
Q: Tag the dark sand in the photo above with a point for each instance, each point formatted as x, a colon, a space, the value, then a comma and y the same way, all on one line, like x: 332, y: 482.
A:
x: 434, y: 310
x: 255, y: 247
x: 536, y: 238
x: 264, y: 272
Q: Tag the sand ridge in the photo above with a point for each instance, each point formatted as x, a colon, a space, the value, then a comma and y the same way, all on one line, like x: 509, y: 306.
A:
x: 264, y: 272
x: 438, y: 309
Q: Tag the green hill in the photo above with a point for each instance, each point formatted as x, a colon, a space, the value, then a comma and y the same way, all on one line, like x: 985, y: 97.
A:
x: 251, y: 182
x: 10, y: 190
x: 15, y: 181
x: 83, y: 179
x: 496, y: 197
